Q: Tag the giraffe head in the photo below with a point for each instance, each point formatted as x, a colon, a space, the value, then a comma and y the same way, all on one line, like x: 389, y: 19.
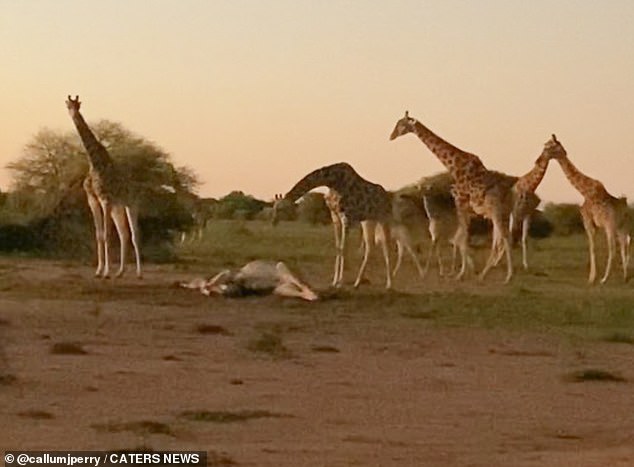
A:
x: 553, y: 149
x: 403, y: 126
x: 73, y: 105
x: 280, y: 204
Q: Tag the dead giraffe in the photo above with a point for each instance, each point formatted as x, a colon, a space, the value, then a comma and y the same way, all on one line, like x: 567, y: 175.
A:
x: 476, y: 190
x: 106, y: 198
x: 599, y: 210
x: 254, y: 278
x: 361, y: 202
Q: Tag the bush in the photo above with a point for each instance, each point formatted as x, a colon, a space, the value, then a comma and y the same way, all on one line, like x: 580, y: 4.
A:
x: 237, y: 205
x: 565, y: 218
x: 312, y: 209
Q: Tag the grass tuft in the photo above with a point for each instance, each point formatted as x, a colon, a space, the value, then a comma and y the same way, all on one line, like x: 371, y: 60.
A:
x: 36, y: 414
x: 212, y: 329
x: 142, y: 427
x: 68, y: 348
x: 593, y: 374
x: 269, y: 343
x: 222, y: 416
x: 620, y: 338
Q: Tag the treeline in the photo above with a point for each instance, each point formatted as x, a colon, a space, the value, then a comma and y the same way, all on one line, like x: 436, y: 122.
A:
x: 45, y: 212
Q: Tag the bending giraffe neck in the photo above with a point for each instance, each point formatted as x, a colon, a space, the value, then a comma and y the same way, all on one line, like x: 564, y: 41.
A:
x: 530, y: 181
x: 585, y: 185
x: 97, y: 153
x: 450, y: 156
x: 331, y: 176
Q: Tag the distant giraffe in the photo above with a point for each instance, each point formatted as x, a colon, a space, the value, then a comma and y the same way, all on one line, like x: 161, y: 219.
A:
x: 476, y: 190
x: 106, y: 198
x: 525, y: 201
x: 440, y: 210
x: 599, y: 210
x: 360, y: 202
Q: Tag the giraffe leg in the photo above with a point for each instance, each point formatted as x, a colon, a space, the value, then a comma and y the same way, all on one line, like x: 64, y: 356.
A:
x: 500, y: 234
x: 623, y: 239
x: 414, y: 256
x: 462, y: 242
x: 121, y: 224
x: 287, y: 289
x: 291, y: 286
x: 399, y: 257
x: 336, y: 227
x: 97, y: 217
x: 133, y: 223
x: 106, y: 212
x: 341, y: 252
x: 526, y: 224
x: 368, y: 228
x: 430, y: 255
x: 611, y: 240
x: 382, y: 235
x: 590, y: 232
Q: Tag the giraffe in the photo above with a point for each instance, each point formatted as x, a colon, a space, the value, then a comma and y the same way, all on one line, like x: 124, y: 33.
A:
x: 201, y: 213
x: 440, y: 210
x: 255, y: 278
x: 360, y: 201
x: 476, y: 190
x: 525, y: 201
x: 405, y: 215
x: 106, y: 198
x: 599, y: 210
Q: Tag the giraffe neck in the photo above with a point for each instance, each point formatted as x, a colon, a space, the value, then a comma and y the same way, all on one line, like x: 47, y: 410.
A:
x: 331, y: 176
x: 582, y: 183
x: 450, y: 156
x: 530, y: 181
x: 97, y: 153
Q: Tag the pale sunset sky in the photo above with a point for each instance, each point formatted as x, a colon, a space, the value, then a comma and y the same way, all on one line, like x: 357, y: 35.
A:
x: 254, y: 94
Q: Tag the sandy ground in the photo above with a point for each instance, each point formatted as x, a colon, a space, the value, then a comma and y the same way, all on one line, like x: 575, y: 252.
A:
x: 350, y: 388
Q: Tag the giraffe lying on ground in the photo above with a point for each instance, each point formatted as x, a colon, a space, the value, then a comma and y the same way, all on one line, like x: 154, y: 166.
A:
x: 360, y: 201
x: 254, y: 278
x: 600, y: 210
x: 108, y: 198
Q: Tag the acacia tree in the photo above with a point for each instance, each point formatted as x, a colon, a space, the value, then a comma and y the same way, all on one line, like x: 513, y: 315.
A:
x: 46, y: 187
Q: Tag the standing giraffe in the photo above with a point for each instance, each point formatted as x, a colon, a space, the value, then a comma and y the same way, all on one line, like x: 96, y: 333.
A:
x: 406, y: 214
x: 106, y: 198
x: 476, y: 190
x: 360, y: 202
x: 525, y: 201
x: 599, y: 210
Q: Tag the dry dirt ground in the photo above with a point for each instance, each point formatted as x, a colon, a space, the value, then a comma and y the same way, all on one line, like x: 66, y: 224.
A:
x: 127, y: 364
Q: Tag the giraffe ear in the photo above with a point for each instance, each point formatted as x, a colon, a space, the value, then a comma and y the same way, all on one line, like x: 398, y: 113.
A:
x: 407, y: 114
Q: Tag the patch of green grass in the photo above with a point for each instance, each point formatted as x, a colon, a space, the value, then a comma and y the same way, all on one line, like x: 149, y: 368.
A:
x: 143, y: 427
x: 212, y: 329
x: 593, y: 374
x: 324, y: 348
x: 68, y: 348
x: 36, y: 414
x: 269, y: 343
x: 223, y: 416
x: 7, y: 379
x: 619, y: 337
